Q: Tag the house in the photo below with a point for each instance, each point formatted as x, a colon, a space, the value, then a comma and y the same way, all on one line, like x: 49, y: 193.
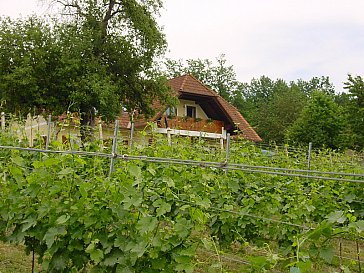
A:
x: 200, y: 112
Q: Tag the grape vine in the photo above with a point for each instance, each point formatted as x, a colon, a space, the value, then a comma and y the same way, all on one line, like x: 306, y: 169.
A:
x: 153, y: 217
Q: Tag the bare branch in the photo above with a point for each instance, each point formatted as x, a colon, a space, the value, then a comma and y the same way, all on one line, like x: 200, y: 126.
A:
x: 109, y: 12
x: 71, y: 4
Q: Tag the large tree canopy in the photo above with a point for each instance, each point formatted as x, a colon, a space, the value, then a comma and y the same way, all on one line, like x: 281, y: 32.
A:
x: 100, y: 56
x: 321, y: 122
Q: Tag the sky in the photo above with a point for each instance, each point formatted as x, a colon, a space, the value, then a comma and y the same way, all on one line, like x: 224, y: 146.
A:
x: 286, y: 39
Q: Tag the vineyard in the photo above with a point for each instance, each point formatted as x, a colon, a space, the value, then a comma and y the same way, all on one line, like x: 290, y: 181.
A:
x: 186, y: 207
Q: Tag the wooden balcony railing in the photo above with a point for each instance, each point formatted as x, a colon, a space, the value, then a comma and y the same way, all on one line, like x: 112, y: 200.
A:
x: 191, y: 124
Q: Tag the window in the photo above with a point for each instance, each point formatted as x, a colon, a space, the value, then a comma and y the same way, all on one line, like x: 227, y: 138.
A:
x: 190, y: 111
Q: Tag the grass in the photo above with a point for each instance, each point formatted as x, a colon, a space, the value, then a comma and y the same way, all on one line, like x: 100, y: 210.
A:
x: 13, y: 259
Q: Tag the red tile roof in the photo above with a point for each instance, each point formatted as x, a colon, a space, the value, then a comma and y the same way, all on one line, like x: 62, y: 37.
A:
x: 189, y: 84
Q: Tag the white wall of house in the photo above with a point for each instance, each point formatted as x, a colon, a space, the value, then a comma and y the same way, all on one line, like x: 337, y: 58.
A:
x: 182, y: 106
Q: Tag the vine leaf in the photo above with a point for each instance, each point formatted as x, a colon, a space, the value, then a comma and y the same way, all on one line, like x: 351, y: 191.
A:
x: 162, y: 207
x: 327, y: 253
x: 337, y: 217
x: 147, y: 224
x: 62, y: 219
x: 51, y: 234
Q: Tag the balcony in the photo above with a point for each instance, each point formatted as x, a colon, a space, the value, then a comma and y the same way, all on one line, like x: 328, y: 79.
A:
x: 191, y: 124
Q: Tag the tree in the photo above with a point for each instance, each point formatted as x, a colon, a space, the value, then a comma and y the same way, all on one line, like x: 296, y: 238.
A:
x: 316, y: 83
x: 102, y: 59
x: 355, y: 108
x: 270, y: 106
x: 29, y: 59
x: 220, y: 77
x: 321, y: 122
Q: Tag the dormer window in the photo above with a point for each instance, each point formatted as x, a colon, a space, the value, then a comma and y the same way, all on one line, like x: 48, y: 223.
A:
x: 190, y: 111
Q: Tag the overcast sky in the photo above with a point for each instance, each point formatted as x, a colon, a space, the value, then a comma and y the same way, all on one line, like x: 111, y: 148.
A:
x: 286, y: 39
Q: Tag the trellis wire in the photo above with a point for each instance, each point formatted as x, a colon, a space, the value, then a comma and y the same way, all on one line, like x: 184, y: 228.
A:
x: 232, y: 166
x: 240, y: 167
x: 265, y: 219
x: 244, y: 214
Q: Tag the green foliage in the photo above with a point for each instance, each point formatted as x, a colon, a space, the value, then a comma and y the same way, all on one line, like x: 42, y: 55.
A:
x: 355, y: 108
x: 100, y: 57
x: 272, y: 106
x: 150, y: 217
x: 321, y: 122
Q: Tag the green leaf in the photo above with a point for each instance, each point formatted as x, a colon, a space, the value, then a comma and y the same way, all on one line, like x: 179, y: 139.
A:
x: 138, y: 248
x: 28, y: 223
x: 147, y: 224
x: 124, y: 269
x: 162, y: 207
x: 305, y: 267
x: 135, y: 171
x: 198, y: 216
x: 66, y: 171
x: 52, y: 233
x: 113, y: 258
x: 183, y: 227
x: 327, y: 253
x: 17, y: 160
x: 337, y: 217
x: 184, y: 263
x: 17, y: 173
x: 51, y: 161
x: 151, y: 170
x: 121, y: 242
x: 169, y: 181
x: 135, y: 200
x: 62, y: 219
x: 59, y: 262
x: 234, y: 185
x: 358, y: 226
x: 96, y: 255
x: 83, y: 190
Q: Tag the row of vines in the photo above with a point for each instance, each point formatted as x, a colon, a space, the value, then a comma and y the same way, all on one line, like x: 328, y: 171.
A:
x: 160, y: 217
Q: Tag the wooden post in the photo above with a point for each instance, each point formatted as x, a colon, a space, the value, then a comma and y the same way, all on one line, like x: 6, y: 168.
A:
x: 309, y: 155
x: 227, y: 152
x: 222, y: 139
x: 114, y: 147
x: 31, y: 131
x: 48, y: 131
x: 169, y: 136
x: 2, y: 120
x: 101, y: 135
x: 131, y: 134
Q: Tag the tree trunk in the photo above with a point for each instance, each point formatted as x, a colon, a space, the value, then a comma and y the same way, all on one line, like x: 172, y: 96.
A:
x: 87, y: 127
